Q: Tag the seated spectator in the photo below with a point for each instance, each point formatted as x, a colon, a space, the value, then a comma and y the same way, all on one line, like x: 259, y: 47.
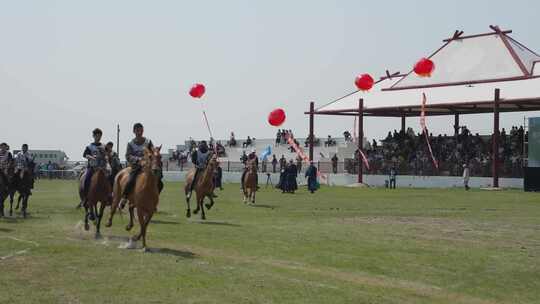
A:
x: 247, y: 143
x: 330, y: 142
x: 232, y: 140
x: 347, y: 135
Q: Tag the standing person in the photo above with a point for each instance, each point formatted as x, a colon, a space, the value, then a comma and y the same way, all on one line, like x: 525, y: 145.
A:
x: 274, y: 163
x: 282, y: 162
x: 218, y: 175
x: 393, y: 173
x: 292, y: 173
x: 264, y: 164
x: 299, y: 164
x: 311, y: 174
x: 466, y: 176
x: 334, y: 163
x: 134, y: 156
x: 95, y: 154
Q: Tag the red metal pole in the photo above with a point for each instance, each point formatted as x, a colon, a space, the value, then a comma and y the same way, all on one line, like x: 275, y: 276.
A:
x: 495, y: 139
x: 311, y: 136
x: 360, y: 137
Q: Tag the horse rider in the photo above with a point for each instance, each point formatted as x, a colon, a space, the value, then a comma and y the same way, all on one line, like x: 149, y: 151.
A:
x: 22, y: 162
x: 252, y: 156
x: 95, y: 154
x: 200, y: 159
x: 134, y: 156
x: 114, y: 161
x: 6, y: 159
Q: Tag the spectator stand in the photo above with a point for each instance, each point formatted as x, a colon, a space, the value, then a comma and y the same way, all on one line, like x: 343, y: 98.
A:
x: 501, y: 77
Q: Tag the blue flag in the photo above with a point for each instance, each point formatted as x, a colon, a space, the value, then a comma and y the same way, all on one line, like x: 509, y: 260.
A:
x: 266, y: 152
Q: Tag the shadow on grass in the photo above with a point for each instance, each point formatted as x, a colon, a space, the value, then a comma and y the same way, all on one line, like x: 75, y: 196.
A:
x: 263, y: 206
x: 5, y: 230
x: 164, y: 222
x: 216, y: 223
x: 173, y: 252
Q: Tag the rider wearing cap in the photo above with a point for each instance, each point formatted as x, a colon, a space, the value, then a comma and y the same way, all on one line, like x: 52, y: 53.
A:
x: 22, y: 162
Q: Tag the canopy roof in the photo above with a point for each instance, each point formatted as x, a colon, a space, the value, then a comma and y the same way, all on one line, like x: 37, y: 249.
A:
x: 468, y: 70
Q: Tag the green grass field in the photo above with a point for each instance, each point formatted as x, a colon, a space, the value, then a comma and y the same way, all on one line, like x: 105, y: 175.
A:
x: 340, y: 245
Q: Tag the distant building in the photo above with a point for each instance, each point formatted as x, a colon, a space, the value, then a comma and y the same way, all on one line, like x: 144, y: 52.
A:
x: 46, y: 156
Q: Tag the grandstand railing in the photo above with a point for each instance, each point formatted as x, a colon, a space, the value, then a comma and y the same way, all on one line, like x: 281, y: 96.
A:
x: 350, y: 166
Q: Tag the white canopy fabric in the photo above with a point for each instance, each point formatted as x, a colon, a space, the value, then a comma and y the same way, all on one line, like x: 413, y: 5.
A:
x: 468, y: 70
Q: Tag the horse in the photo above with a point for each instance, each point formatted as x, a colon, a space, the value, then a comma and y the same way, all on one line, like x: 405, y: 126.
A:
x: 100, y: 191
x: 24, y: 186
x: 6, y: 187
x: 145, y: 195
x: 250, y: 182
x: 203, y: 188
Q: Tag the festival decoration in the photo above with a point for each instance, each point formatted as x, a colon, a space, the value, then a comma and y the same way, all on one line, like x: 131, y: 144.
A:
x: 424, y: 67
x: 276, y: 117
x: 197, y: 90
x: 364, y: 82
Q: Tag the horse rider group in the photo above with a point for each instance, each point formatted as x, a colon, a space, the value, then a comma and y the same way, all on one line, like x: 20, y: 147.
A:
x: 99, y: 156
x: 21, y: 163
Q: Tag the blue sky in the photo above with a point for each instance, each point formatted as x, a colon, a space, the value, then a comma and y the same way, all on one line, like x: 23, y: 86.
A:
x: 67, y: 67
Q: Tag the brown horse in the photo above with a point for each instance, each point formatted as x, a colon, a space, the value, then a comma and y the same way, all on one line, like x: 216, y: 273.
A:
x: 98, y: 191
x: 203, y: 188
x: 250, y: 182
x: 145, y: 195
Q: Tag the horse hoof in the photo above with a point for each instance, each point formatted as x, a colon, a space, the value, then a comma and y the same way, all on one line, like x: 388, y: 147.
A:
x: 195, y: 211
x: 24, y: 214
x: 128, y: 227
x: 10, y: 213
x: 208, y: 206
x: 86, y: 226
x: 108, y: 224
x: 203, y: 217
x: 188, y: 213
x: 98, y: 236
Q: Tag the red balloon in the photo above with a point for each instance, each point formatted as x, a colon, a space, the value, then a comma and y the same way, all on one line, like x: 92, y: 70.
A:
x: 424, y: 67
x: 276, y: 118
x: 197, y: 90
x: 364, y: 82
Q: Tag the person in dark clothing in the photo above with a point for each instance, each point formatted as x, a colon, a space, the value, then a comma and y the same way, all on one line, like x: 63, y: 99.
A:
x: 282, y: 162
x: 218, y: 175
x: 95, y: 154
x: 311, y: 175
x: 334, y: 163
x: 199, y: 159
x: 274, y: 163
x: 291, y: 174
x: 134, y: 155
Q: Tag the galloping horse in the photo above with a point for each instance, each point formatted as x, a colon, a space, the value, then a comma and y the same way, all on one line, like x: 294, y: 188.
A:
x: 250, y: 182
x: 100, y: 191
x: 203, y: 188
x: 145, y: 195
x: 6, y: 188
x: 24, y: 186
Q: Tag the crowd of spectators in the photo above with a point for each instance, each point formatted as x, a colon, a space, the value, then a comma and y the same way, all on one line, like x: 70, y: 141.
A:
x: 409, y: 153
